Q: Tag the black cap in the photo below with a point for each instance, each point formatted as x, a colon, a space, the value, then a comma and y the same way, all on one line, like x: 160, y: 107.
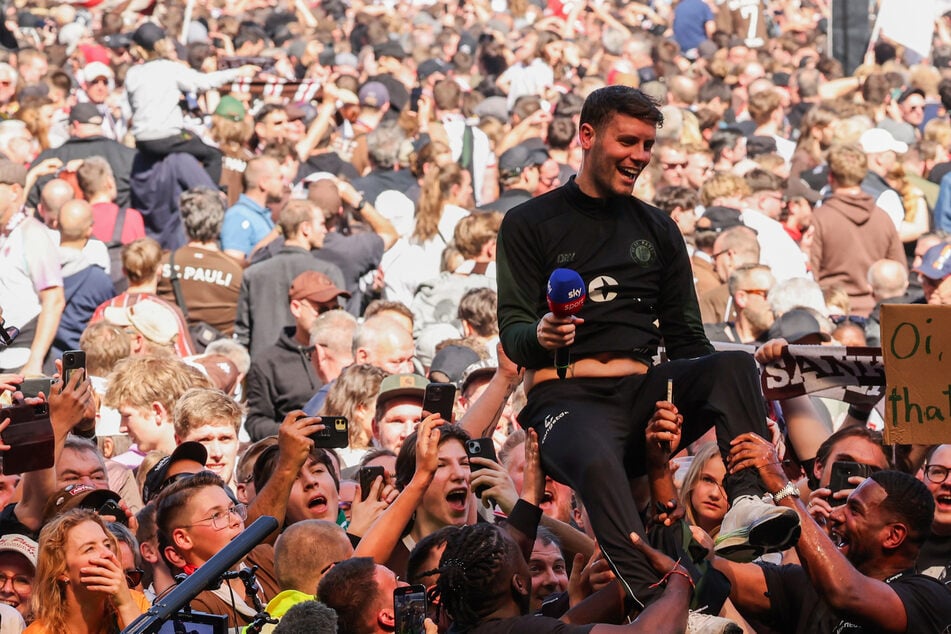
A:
x: 117, y: 40
x: 758, y: 145
x: 719, y: 219
x: 524, y: 155
x: 449, y: 365
x: 85, y: 113
x: 148, y: 35
x: 155, y: 479
x: 390, y: 48
x: 909, y: 92
x: 431, y: 66
x: 795, y: 325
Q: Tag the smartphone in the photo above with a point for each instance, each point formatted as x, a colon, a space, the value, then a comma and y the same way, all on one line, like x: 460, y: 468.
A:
x: 335, y: 435
x: 30, y: 436
x: 439, y: 398
x: 842, y: 470
x: 32, y: 387
x: 367, y: 476
x: 73, y: 360
x: 480, y: 448
x: 409, y: 608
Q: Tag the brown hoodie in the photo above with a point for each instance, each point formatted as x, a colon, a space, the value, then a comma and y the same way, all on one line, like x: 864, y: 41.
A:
x: 851, y: 233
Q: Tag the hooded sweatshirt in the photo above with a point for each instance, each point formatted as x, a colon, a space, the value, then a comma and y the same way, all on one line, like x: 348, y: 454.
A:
x: 851, y: 233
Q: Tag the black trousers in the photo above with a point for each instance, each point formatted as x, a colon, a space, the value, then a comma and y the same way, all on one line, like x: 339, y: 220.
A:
x: 186, y: 143
x: 591, y: 432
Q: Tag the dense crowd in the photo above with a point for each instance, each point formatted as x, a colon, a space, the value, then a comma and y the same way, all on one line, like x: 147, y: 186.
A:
x: 270, y: 227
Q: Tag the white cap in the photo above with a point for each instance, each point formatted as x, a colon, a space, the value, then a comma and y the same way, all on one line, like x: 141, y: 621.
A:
x: 877, y: 140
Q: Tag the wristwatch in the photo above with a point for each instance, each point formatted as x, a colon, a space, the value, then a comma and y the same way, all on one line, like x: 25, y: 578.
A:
x: 788, y: 489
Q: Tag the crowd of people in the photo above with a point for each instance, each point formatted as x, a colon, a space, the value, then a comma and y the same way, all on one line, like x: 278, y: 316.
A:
x: 253, y: 220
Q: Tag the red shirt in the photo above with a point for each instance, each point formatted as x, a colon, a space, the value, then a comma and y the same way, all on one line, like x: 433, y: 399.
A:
x: 104, y: 220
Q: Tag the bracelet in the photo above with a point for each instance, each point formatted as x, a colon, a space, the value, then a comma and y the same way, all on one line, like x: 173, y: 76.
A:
x: 859, y: 414
x: 360, y: 205
x: 675, y: 571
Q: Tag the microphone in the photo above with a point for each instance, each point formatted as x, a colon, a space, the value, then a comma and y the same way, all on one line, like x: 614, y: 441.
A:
x: 566, y: 295
x: 206, y: 576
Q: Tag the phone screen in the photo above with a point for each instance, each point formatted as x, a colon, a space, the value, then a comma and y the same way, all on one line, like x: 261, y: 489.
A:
x: 409, y: 605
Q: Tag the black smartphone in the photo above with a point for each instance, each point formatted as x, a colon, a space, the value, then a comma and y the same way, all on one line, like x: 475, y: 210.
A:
x: 335, y: 435
x: 480, y: 448
x: 30, y: 436
x: 439, y: 398
x: 73, y: 360
x: 32, y: 387
x: 367, y: 476
x: 112, y: 509
x: 409, y: 608
x: 842, y: 470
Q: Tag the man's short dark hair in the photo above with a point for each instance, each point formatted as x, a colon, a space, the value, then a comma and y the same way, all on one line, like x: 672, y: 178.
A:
x: 909, y: 501
x: 605, y: 102
x: 307, y: 617
x: 406, y: 459
x: 723, y: 139
x: 712, y: 89
x: 669, y: 198
x: 561, y: 132
x: 350, y: 589
x: 267, y: 462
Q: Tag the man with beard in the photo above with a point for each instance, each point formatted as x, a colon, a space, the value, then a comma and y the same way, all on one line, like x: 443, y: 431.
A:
x: 749, y: 287
x: 591, y: 415
x: 857, y: 577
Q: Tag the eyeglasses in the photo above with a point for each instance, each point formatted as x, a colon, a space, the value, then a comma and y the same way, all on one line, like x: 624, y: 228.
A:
x: 320, y: 308
x: 719, y: 253
x: 936, y: 473
x: 133, y: 577
x: 21, y: 583
x: 858, y: 320
x: 222, y: 519
x: 762, y: 292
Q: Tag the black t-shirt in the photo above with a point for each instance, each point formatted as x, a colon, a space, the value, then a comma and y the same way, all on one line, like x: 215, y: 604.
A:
x: 796, y: 606
x: 934, y: 559
x: 10, y: 524
x: 528, y: 625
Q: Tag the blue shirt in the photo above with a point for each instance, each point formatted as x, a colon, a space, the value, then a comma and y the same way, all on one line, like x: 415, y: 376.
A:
x: 690, y: 18
x: 246, y: 223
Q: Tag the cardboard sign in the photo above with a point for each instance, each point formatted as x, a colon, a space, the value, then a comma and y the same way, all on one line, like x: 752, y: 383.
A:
x: 916, y: 342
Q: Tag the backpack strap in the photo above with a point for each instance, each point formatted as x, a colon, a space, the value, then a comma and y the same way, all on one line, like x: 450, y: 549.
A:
x: 177, y: 285
x: 119, y: 225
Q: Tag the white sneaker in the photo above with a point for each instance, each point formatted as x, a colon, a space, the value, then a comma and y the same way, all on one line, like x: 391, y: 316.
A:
x: 699, y: 623
x: 754, y: 526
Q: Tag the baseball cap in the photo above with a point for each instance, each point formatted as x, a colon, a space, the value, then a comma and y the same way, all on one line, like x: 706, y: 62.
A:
x: 430, y: 66
x: 878, y: 140
x: 230, y: 108
x: 520, y: 157
x: 450, y: 364
x: 495, y: 107
x: 373, y: 94
x: 759, y: 145
x: 85, y: 113
x: 346, y: 59
x: 75, y: 496
x: 220, y: 370
x: 155, y: 479
x: 719, y: 219
x: 20, y: 544
x: 402, y: 385
x: 94, y: 70
x: 936, y: 262
x: 315, y: 286
x: 12, y: 173
x: 148, y: 35
x: 389, y: 48
x: 909, y: 92
x: 155, y: 321
x: 484, y: 368
x: 795, y: 325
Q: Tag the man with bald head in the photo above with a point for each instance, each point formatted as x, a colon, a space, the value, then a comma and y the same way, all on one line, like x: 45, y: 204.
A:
x: 248, y: 222
x: 86, y: 285
x: 888, y: 280
x: 53, y: 196
x: 383, y: 342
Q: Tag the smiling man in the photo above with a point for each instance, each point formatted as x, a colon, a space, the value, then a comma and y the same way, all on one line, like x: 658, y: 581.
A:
x: 934, y: 559
x: 637, y: 277
x: 212, y: 418
x: 857, y: 577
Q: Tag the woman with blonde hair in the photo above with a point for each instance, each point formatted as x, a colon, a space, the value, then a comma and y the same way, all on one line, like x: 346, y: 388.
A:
x: 702, y: 491
x: 444, y: 200
x: 80, y: 585
x: 815, y: 137
x: 353, y: 395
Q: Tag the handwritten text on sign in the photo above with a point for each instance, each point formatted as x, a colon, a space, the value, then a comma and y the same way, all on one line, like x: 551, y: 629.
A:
x: 916, y: 342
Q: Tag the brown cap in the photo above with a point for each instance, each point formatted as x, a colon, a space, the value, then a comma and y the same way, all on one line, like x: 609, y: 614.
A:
x: 76, y: 496
x: 315, y: 286
x: 12, y: 173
